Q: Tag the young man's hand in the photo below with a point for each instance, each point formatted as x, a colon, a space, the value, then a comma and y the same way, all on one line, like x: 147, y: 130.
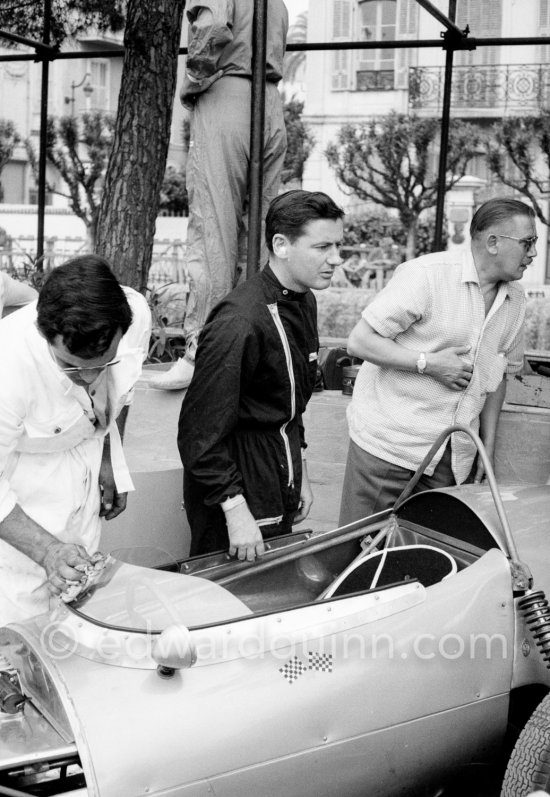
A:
x: 306, y: 496
x: 245, y: 537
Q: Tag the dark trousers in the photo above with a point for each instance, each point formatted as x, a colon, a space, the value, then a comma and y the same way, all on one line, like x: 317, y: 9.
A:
x: 372, y: 484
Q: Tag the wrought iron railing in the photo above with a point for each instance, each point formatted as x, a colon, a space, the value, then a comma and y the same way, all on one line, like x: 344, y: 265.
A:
x: 507, y: 88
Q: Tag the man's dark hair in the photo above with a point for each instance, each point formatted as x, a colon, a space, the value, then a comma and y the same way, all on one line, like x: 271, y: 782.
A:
x: 289, y: 213
x: 496, y: 210
x: 84, y: 303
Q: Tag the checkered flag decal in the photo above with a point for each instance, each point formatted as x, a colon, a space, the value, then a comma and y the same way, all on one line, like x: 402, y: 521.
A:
x: 320, y: 661
x: 293, y: 669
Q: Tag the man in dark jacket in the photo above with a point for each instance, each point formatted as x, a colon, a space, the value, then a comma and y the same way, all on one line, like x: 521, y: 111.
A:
x: 241, y: 437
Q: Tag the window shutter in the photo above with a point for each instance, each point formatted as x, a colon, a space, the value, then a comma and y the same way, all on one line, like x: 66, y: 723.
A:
x: 544, y: 30
x: 484, y: 19
x: 342, y: 11
x: 407, y: 28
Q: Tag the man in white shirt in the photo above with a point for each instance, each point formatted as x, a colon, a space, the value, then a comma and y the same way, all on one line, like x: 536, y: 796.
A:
x: 68, y: 365
x: 14, y: 294
x: 437, y: 344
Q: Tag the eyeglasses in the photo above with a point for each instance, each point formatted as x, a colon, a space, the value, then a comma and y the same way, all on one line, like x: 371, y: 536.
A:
x: 528, y: 243
x: 77, y: 369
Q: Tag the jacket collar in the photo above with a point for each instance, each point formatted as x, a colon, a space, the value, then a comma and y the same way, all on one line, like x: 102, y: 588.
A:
x: 279, y: 292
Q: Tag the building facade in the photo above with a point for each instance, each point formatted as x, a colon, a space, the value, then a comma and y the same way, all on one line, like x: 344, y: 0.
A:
x: 76, y: 86
x: 488, y: 83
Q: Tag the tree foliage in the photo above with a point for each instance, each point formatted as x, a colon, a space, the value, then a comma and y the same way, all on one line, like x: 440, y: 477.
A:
x: 173, y: 194
x: 518, y: 153
x: 9, y: 138
x: 371, y: 227
x: 68, y: 17
x: 300, y: 141
x: 390, y: 161
x: 293, y: 61
x: 79, y: 149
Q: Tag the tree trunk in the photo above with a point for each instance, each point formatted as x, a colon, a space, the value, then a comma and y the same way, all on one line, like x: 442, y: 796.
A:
x: 131, y: 194
x: 412, y: 236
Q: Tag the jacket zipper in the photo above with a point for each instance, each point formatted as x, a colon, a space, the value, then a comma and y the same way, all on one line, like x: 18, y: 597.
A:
x: 274, y: 310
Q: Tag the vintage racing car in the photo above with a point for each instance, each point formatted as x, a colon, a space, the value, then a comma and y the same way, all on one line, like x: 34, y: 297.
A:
x: 376, y: 659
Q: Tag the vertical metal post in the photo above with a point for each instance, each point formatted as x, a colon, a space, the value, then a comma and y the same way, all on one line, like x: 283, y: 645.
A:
x: 43, y: 136
x: 257, y: 117
x: 450, y: 38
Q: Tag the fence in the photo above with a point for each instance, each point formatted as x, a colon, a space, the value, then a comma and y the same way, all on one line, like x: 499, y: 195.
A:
x: 17, y: 257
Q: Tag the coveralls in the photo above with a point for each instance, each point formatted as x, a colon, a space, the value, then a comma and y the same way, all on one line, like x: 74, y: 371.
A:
x: 218, y: 89
x: 240, y: 427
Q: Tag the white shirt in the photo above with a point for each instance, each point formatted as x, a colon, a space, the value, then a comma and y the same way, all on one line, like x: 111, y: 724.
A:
x: 432, y: 303
x: 14, y: 293
x: 51, y: 445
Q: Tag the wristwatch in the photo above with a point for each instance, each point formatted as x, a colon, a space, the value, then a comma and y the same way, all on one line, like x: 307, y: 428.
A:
x: 421, y: 363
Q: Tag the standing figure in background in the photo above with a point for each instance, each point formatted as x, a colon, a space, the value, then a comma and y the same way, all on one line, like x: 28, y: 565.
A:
x: 217, y: 90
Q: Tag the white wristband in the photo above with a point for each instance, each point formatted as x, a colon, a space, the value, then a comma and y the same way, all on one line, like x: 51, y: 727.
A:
x: 231, y: 503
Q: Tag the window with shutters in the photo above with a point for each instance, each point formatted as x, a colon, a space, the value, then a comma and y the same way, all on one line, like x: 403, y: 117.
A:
x: 99, y: 83
x: 372, y: 20
x: 407, y: 28
x: 377, y: 22
x: 342, y: 20
x: 485, y: 20
x: 544, y: 30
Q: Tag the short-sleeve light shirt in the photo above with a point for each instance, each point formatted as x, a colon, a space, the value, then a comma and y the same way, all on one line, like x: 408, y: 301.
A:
x: 432, y: 303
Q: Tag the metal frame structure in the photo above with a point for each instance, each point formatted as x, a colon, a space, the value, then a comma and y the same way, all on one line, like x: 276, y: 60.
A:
x: 452, y: 39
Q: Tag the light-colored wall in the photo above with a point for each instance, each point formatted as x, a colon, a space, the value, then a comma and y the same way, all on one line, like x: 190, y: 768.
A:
x: 327, y: 110
x: 21, y: 223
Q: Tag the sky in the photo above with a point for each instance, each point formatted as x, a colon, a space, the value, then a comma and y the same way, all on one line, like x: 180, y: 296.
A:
x: 295, y: 7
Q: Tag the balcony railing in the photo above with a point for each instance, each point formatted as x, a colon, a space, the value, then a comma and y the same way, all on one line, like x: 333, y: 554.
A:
x: 512, y: 88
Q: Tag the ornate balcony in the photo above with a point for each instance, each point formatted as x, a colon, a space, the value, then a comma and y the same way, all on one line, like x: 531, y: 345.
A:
x: 508, y: 88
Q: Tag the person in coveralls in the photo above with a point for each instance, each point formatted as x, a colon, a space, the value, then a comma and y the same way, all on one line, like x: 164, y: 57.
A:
x: 241, y: 437
x: 217, y: 90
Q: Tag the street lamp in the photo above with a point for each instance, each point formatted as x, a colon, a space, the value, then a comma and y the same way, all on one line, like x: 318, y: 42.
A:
x: 88, y: 90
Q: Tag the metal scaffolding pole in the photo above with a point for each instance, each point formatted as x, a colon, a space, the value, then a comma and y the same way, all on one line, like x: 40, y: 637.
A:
x: 43, y: 138
x: 454, y: 39
x: 257, y: 117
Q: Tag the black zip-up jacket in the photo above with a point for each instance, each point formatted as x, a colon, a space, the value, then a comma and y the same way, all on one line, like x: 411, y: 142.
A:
x: 240, y: 427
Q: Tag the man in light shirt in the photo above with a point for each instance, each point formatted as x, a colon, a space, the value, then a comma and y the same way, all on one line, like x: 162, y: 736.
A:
x: 68, y: 365
x: 437, y: 343
x: 14, y: 294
